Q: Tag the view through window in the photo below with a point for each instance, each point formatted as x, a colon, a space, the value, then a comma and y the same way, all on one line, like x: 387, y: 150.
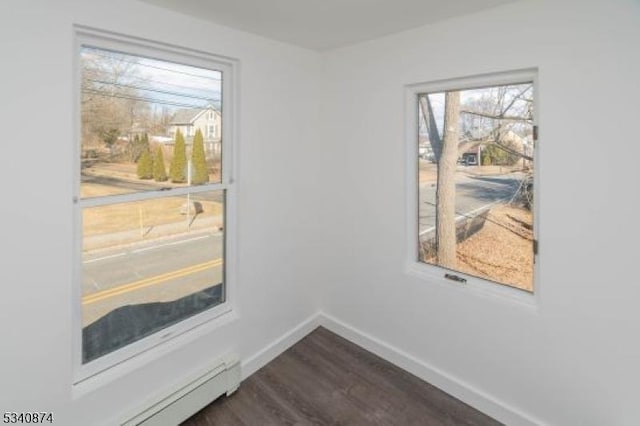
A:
x: 152, y: 196
x: 475, y: 173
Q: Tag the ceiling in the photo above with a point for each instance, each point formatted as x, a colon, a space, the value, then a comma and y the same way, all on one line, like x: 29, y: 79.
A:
x: 325, y: 24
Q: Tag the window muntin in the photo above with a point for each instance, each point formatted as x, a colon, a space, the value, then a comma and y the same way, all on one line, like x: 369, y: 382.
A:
x: 475, y: 173
x: 122, y: 313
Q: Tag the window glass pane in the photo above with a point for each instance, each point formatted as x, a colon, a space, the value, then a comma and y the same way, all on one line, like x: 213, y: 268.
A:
x: 475, y: 154
x: 147, y: 265
x: 144, y: 120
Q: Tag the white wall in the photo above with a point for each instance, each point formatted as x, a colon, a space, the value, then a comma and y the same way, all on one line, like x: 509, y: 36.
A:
x: 574, y: 361
x: 275, y: 293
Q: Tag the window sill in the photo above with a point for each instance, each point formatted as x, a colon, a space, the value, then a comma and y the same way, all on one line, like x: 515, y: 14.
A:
x: 474, y: 286
x: 84, y: 386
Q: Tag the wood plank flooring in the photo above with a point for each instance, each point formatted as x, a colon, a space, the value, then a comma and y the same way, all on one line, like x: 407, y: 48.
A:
x: 327, y: 380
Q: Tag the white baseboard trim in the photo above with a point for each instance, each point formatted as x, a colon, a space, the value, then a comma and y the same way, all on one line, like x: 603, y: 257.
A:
x: 281, y: 344
x: 442, y: 380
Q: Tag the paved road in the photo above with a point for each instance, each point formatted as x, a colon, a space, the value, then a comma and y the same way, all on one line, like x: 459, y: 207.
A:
x: 156, y: 271
x: 471, y: 193
x: 168, y: 270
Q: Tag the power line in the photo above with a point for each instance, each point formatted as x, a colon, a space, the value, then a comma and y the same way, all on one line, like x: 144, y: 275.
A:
x: 133, y: 79
x: 96, y: 52
x: 143, y: 99
x: 163, y: 83
x: 165, y: 92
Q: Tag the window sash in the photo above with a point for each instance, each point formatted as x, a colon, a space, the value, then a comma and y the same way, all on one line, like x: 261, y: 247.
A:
x: 150, y: 195
x: 147, y: 346
x: 432, y: 273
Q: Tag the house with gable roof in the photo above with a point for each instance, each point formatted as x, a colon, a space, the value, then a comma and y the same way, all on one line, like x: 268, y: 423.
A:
x: 208, y: 120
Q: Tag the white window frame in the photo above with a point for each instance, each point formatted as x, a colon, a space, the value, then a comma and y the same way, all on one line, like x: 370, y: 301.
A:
x: 433, y: 273
x: 150, y: 347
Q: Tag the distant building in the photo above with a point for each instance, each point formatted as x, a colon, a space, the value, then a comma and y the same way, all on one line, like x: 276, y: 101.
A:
x: 471, y: 150
x: 471, y: 154
x: 208, y: 120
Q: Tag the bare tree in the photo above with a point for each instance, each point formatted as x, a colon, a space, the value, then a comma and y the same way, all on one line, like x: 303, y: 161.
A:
x: 446, y: 191
x: 499, y: 111
x: 446, y: 153
x: 108, y: 104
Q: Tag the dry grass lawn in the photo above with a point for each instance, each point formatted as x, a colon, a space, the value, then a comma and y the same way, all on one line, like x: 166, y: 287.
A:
x: 428, y: 172
x: 502, y: 250
x: 139, y: 214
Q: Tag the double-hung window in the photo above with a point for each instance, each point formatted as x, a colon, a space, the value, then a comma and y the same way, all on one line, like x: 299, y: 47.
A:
x: 472, y: 166
x: 152, y: 205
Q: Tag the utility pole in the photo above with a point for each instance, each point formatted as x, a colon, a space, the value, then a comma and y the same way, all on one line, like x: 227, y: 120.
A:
x: 189, y: 194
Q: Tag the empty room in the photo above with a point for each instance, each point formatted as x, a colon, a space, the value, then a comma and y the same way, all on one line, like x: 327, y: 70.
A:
x: 356, y: 212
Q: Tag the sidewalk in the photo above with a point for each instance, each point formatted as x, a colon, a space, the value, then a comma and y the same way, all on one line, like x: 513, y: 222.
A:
x: 488, y: 171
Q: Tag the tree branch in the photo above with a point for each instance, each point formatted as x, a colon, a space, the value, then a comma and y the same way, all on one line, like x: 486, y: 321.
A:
x: 495, y: 117
x: 515, y: 98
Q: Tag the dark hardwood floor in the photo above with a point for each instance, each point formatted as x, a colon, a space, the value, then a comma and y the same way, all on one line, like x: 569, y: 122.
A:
x: 327, y: 380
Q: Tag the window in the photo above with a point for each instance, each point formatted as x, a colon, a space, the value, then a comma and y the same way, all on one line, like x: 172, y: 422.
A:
x: 474, y: 209
x: 152, y: 205
x: 212, y: 131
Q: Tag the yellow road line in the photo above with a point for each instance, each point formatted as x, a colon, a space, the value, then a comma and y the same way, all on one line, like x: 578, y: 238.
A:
x: 146, y: 282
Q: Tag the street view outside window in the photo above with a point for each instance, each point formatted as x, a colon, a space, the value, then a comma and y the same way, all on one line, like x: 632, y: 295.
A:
x: 151, y: 203
x: 476, y: 153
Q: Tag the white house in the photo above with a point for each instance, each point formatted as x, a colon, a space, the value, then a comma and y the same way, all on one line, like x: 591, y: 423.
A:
x: 208, y: 120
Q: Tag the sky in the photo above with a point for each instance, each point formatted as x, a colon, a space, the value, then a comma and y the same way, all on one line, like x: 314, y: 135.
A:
x: 467, y: 97
x: 161, y: 83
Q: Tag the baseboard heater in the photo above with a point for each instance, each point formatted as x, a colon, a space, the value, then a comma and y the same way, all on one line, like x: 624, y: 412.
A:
x: 190, y: 397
